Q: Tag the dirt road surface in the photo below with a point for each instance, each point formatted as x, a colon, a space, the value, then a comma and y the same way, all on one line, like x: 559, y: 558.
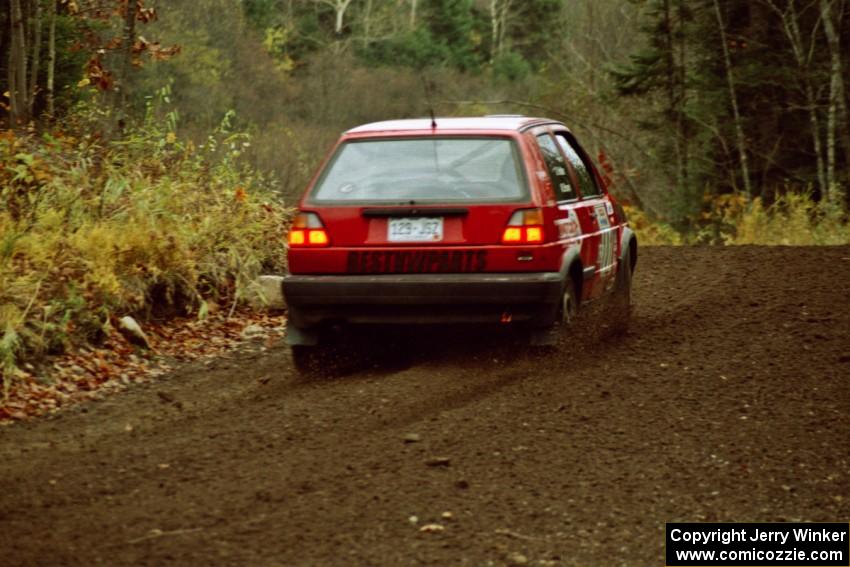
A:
x: 727, y: 401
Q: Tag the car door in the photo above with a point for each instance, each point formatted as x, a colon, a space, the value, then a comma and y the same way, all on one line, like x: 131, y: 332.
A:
x: 573, y: 217
x: 597, y: 209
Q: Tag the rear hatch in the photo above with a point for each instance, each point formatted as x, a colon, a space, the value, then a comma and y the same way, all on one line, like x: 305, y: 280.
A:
x: 416, y: 204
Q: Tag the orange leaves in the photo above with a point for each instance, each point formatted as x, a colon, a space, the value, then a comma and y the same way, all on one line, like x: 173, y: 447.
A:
x: 240, y: 195
x: 97, y: 75
x: 154, y: 49
x: 145, y: 15
x: 114, y: 43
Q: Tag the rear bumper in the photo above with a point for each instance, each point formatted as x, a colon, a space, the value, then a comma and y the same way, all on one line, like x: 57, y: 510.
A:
x: 423, y: 298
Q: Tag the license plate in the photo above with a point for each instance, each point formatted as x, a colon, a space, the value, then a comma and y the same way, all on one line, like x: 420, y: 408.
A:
x: 423, y: 229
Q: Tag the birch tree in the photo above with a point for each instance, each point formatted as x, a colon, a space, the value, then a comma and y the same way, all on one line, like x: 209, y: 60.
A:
x: 339, y: 7
x: 837, y: 119
x: 803, y: 59
x: 51, y: 58
x: 733, y: 99
x: 499, y: 13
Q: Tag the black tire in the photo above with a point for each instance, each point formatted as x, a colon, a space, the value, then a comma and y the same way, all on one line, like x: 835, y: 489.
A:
x: 308, y: 360
x: 621, y: 299
x: 333, y: 357
x: 551, y: 338
x: 568, y: 309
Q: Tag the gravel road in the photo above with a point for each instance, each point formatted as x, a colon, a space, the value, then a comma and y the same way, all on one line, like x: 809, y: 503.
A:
x: 727, y: 401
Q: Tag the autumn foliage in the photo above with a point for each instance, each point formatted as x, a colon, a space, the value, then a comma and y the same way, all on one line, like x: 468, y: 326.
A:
x: 91, y: 230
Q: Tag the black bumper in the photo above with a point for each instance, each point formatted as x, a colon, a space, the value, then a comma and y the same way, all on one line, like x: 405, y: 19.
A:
x: 423, y: 298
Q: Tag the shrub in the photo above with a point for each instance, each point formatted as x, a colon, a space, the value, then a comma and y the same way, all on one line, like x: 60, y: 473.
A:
x: 651, y: 232
x: 794, y: 219
x: 91, y: 228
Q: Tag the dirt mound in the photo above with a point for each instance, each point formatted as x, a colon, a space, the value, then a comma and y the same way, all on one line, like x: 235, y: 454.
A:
x: 726, y: 402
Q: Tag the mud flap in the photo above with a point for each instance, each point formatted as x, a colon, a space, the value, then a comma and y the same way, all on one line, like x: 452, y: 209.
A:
x: 547, y: 337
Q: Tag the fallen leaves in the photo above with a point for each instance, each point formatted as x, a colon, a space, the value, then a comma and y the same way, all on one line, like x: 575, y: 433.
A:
x: 89, y: 373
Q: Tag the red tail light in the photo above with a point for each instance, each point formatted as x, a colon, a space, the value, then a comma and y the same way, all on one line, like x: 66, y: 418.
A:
x: 308, y: 231
x: 524, y: 227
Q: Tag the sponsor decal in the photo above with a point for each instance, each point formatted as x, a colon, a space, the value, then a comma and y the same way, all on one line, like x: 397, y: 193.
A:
x: 602, y: 216
x: 417, y: 261
x: 568, y: 227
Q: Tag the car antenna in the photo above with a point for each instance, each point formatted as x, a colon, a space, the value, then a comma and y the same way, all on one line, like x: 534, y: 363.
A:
x: 427, y: 87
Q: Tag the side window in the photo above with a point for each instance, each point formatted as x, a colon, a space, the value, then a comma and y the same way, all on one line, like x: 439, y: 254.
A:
x: 586, y: 182
x: 564, y: 189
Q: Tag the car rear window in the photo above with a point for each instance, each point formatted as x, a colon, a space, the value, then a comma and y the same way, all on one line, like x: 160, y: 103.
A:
x: 423, y: 170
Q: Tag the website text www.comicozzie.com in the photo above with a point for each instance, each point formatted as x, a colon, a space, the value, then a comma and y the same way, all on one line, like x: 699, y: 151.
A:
x: 799, y: 544
x: 758, y: 555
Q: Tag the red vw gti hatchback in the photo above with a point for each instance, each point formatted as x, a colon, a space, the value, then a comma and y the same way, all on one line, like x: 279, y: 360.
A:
x: 500, y: 219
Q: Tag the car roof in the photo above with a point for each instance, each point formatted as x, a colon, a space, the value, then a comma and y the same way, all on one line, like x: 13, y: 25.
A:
x: 511, y: 123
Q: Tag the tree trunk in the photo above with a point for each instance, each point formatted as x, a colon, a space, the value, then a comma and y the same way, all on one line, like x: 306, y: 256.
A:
x: 367, y: 22
x: 35, y: 60
x: 503, y: 25
x: 19, y: 106
x: 672, y: 102
x: 791, y: 26
x: 129, y: 41
x: 682, y: 96
x: 736, y: 116
x: 51, y: 59
x: 340, y: 7
x: 837, y: 117
x: 592, y: 43
x: 494, y: 29
x: 413, y: 14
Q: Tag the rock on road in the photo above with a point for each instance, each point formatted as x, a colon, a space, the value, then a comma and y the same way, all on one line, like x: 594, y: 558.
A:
x: 727, y: 401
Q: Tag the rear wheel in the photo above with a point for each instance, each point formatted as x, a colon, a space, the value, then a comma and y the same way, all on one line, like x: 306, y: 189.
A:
x: 569, y: 305
x: 308, y: 360
x: 621, y: 299
x: 565, y: 315
x: 332, y: 356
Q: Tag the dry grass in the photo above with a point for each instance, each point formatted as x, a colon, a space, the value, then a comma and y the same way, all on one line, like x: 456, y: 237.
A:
x: 91, y: 230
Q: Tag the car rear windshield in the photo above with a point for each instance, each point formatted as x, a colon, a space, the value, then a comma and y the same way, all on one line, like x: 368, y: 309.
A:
x: 422, y: 170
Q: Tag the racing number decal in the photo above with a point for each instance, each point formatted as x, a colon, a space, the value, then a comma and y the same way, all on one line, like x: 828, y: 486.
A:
x: 417, y: 262
x: 606, y: 244
x: 606, y: 249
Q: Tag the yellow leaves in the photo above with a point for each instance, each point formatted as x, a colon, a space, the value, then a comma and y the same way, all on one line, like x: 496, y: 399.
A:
x: 72, y: 6
x: 286, y: 64
x: 651, y: 232
x: 137, y: 232
x: 8, y: 138
x: 84, y: 82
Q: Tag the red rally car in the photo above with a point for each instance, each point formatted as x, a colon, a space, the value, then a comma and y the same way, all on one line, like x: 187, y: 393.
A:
x: 499, y: 219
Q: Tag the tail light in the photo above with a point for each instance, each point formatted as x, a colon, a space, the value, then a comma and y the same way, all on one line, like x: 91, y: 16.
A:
x: 524, y: 227
x: 308, y: 231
